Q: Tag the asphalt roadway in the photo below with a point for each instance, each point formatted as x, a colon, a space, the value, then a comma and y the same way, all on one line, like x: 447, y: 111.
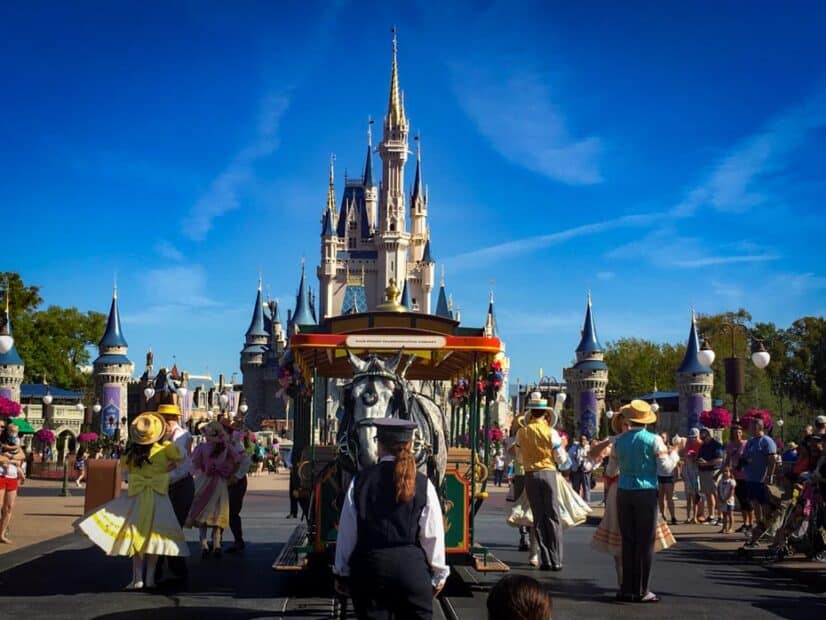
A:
x: 68, y: 578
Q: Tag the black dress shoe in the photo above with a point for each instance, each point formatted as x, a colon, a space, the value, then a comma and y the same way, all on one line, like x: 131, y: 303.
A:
x: 556, y: 567
x: 218, y: 552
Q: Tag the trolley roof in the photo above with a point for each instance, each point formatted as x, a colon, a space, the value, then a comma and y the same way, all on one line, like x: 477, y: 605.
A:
x: 443, y: 350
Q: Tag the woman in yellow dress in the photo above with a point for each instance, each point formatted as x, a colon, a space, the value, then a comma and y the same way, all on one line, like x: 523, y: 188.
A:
x: 141, y: 524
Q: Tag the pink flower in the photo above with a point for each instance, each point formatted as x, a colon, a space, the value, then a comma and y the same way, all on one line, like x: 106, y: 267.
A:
x: 9, y: 408
x: 44, y: 435
x: 716, y: 418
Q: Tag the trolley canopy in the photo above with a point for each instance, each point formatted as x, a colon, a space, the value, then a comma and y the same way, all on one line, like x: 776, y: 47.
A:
x: 442, y: 349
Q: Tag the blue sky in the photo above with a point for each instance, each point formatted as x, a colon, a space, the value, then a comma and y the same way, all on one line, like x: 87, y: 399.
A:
x: 659, y: 154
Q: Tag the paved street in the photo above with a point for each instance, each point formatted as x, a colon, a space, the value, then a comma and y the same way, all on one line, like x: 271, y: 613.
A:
x: 66, y: 578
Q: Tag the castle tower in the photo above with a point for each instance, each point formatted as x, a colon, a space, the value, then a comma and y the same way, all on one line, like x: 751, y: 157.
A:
x: 11, y: 366
x: 112, y: 371
x: 252, y: 361
x: 587, y: 379
x: 329, y: 249
x: 694, y: 384
x: 371, y: 195
x: 428, y: 277
x: 392, y: 238
x: 418, y: 210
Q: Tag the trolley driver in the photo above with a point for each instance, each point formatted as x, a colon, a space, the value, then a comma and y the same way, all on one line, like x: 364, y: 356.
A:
x: 390, y: 552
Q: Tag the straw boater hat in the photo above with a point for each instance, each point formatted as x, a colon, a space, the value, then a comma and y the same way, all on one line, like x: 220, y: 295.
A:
x: 638, y: 412
x: 169, y: 410
x: 536, y: 405
x: 147, y: 428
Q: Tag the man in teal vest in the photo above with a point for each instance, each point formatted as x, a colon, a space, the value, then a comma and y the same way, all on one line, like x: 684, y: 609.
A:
x: 638, y: 452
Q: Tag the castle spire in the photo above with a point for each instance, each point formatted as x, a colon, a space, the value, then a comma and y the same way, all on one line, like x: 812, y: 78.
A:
x: 395, y: 106
x: 490, y: 319
x: 691, y: 361
x: 406, y: 296
x: 257, y: 327
x: 331, y: 188
x: 418, y: 192
x: 303, y: 314
x: 113, y: 336
x: 589, y: 343
x: 442, y: 305
x: 368, y: 163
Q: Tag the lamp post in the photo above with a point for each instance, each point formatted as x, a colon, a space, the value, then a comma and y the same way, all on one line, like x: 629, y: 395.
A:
x: 781, y: 423
x: 735, y: 366
x: 6, y: 340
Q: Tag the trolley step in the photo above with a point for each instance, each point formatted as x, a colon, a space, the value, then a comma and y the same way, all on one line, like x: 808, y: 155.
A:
x: 486, y: 562
x: 293, y: 555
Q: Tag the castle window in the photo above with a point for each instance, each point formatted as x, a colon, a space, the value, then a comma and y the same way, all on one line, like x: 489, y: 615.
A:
x: 351, y: 243
x: 393, y: 227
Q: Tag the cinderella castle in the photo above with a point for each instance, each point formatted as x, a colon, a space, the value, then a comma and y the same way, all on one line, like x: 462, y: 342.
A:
x: 368, y: 240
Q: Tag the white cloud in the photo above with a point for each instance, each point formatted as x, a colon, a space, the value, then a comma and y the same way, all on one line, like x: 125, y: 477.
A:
x: 166, y: 250
x: 520, y: 246
x: 227, y: 189
x: 735, y: 182
x: 517, y: 115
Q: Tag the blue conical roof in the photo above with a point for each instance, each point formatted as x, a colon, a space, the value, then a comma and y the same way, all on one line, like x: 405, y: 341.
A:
x: 691, y: 361
x: 10, y: 357
x: 406, y: 297
x: 589, y: 343
x: 417, y: 181
x: 368, y: 167
x: 491, y: 317
x: 113, y: 337
x: 327, y: 227
x: 442, y: 309
x: 303, y: 314
x: 427, y: 257
x: 257, y: 327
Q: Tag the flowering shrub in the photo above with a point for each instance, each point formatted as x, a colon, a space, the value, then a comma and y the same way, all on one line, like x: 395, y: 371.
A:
x: 718, y: 417
x: 87, y: 437
x: 44, y: 435
x: 9, y: 408
x: 495, y: 434
x: 763, y: 414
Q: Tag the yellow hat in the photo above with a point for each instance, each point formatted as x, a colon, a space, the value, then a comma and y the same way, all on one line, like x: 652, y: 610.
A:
x: 616, y: 422
x: 147, y: 428
x: 169, y: 410
x: 638, y: 412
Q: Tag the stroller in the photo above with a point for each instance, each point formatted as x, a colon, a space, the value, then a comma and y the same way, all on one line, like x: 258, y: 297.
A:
x: 801, y: 529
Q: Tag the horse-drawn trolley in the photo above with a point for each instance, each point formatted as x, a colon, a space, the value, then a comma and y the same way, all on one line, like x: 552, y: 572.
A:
x: 385, y: 362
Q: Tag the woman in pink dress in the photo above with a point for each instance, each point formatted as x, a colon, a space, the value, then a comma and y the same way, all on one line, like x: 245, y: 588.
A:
x: 214, y: 463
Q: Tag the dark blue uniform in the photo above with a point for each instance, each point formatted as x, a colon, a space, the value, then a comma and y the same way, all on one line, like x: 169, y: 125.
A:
x: 389, y: 572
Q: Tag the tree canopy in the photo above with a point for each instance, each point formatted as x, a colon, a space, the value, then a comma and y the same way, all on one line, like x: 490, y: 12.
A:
x: 54, y: 343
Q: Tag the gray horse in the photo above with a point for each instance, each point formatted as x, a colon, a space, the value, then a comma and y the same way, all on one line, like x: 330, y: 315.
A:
x: 378, y: 390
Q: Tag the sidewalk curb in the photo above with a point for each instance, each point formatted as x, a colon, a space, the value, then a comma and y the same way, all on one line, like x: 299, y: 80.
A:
x: 26, y: 554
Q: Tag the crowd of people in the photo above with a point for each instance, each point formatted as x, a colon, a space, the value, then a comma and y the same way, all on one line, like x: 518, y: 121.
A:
x: 171, y: 487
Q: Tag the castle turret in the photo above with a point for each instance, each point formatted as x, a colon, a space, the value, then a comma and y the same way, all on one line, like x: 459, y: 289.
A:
x: 329, y: 249
x: 112, y: 372
x: 392, y: 238
x: 587, y: 379
x: 428, y: 275
x: 406, y: 297
x: 442, y: 305
x: 11, y: 365
x: 303, y: 314
x: 694, y: 384
x: 418, y: 210
x: 253, y: 359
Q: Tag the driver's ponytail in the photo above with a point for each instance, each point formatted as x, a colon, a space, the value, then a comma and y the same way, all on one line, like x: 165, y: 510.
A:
x: 404, y: 473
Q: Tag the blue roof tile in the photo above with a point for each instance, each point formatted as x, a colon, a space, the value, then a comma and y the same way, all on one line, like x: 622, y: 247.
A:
x: 107, y: 358
x: 591, y: 365
x: 257, y: 327
x: 589, y: 343
x: 427, y: 257
x: 303, y: 312
x: 441, y: 305
x: 38, y: 390
x: 691, y: 361
x: 113, y: 336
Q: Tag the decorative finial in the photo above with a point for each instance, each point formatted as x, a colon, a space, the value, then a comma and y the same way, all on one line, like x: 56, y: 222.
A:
x: 115, y: 285
x: 260, y: 278
x: 693, y: 315
x: 418, y: 139
x: 589, y: 297
x: 492, y: 282
x: 442, y: 277
x: 370, y: 122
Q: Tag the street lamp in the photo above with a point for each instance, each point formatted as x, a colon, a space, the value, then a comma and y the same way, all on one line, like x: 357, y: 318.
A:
x: 735, y: 366
x: 780, y: 423
x: 96, y: 407
x: 47, y: 397
x: 148, y: 393
x: 6, y: 340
